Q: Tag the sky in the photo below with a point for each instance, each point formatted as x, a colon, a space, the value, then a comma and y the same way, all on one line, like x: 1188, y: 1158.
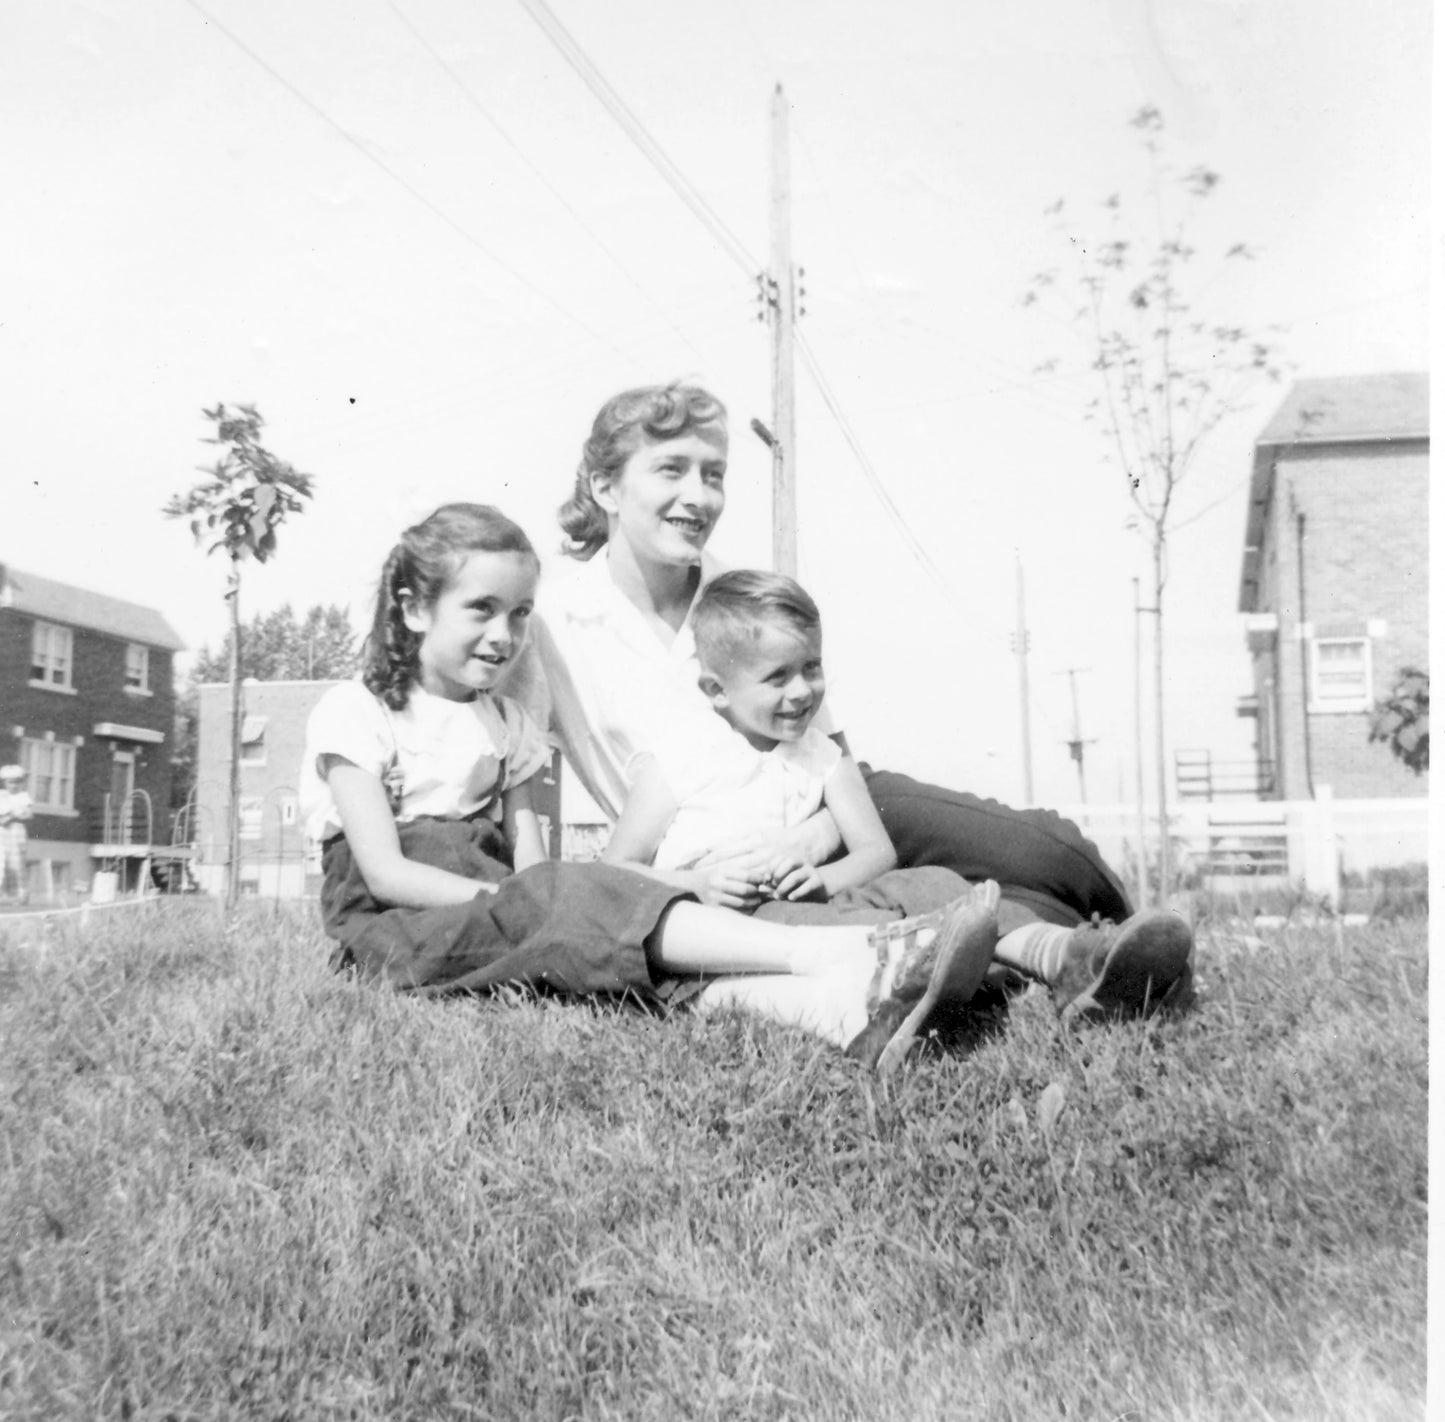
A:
x: 414, y: 238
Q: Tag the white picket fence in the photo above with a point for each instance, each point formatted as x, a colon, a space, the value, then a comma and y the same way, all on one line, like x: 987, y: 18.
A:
x: 1313, y: 843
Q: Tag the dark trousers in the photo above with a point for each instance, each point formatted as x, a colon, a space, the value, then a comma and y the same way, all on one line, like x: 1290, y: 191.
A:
x: 1044, y: 867
x: 579, y: 928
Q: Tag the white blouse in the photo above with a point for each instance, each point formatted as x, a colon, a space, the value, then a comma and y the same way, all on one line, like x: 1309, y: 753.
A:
x: 436, y: 757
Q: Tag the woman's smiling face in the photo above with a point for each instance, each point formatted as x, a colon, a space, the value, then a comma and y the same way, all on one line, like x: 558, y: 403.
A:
x: 668, y: 496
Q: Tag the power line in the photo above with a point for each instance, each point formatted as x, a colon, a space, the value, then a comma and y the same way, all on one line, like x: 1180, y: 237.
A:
x: 869, y: 473
x: 636, y: 130
x: 397, y: 178
x: 541, y: 177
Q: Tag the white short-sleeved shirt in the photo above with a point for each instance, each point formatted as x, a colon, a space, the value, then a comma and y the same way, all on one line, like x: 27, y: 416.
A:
x: 15, y: 807
x: 728, y: 789
x: 436, y: 757
x: 604, y: 684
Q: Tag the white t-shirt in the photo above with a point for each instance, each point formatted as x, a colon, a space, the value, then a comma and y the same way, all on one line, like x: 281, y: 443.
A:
x: 604, y: 684
x: 436, y: 757
x: 735, y: 788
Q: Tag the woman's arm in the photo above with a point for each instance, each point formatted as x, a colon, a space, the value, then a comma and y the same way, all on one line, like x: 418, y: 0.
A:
x: 646, y: 814
x: 522, y: 827
x: 814, y: 841
x: 370, y: 831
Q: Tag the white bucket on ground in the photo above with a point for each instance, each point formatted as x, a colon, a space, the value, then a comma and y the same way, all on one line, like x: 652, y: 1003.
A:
x: 103, y: 886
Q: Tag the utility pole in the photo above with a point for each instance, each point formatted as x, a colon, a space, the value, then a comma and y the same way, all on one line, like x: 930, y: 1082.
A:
x: 1077, y: 744
x: 1021, y: 647
x: 780, y: 295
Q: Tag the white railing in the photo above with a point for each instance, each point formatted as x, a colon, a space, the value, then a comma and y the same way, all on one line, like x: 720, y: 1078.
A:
x: 1313, y: 843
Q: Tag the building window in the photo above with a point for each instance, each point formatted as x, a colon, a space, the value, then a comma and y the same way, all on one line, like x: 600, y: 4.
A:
x: 251, y: 807
x: 51, y: 768
x: 253, y: 740
x: 51, y: 655
x: 1340, y: 674
x: 137, y: 668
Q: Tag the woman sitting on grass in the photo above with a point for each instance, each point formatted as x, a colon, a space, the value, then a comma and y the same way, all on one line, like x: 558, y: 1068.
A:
x: 615, y: 675
x: 417, y: 779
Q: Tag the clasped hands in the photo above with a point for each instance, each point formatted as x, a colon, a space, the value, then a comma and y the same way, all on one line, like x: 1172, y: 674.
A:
x: 751, y: 868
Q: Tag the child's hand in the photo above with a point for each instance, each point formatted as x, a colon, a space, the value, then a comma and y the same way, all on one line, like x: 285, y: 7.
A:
x: 798, y: 881
x: 728, y: 886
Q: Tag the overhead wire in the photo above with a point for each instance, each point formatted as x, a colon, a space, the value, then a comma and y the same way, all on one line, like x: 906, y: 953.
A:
x: 469, y: 237
x: 869, y: 472
x: 466, y: 92
x: 635, y: 129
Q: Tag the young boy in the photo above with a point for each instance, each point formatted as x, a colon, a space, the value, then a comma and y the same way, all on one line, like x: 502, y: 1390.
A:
x: 759, y: 647
x: 766, y: 767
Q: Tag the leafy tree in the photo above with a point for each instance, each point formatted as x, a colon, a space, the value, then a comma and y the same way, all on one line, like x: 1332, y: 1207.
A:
x: 1402, y: 719
x: 279, y: 646
x: 1164, y: 377
x: 237, y: 509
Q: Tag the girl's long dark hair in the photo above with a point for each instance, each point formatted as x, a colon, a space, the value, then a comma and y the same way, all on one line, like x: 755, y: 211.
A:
x: 422, y: 564
x: 649, y: 412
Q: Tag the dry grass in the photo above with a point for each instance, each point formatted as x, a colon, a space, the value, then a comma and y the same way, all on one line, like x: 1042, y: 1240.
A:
x: 235, y: 1186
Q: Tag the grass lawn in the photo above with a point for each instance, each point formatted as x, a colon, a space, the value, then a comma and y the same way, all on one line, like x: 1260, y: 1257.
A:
x: 233, y: 1185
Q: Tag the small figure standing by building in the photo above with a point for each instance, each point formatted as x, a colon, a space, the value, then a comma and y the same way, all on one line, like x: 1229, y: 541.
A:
x: 15, y: 810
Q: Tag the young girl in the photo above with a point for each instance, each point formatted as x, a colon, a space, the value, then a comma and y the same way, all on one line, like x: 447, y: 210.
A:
x: 417, y: 782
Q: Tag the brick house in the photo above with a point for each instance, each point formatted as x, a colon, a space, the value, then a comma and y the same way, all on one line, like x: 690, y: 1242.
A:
x: 1335, y: 580
x: 87, y: 707
x: 276, y: 859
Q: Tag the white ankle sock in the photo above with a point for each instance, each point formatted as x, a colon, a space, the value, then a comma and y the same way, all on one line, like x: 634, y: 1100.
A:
x: 1037, y: 949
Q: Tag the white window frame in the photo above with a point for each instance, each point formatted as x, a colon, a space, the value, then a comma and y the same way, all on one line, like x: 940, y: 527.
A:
x: 252, y: 816
x: 137, y: 669
x: 1325, y: 696
x: 50, y: 774
x: 52, y: 656
x: 253, y: 751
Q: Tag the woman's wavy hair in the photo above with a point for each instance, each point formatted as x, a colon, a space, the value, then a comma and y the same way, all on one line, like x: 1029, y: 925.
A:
x: 422, y: 564
x: 654, y: 412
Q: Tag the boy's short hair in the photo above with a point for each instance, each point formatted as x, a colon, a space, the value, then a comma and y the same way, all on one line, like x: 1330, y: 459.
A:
x: 730, y: 608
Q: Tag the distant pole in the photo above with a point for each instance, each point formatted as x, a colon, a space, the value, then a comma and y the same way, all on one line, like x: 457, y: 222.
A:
x: 781, y: 300
x: 1076, y: 744
x: 1021, y: 646
x: 1139, y: 831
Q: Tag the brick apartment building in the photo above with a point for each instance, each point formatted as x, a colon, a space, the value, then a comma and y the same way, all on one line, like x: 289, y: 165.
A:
x: 87, y: 707
x: 1335, y: 580
x: 276, y: 859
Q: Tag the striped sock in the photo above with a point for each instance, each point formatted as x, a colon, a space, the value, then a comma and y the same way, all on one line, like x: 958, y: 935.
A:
x: 1037, y: 949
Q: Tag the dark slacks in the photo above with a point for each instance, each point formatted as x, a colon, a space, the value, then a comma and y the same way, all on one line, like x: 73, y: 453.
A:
x: 1044, y: 867
x: 579, y: 928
